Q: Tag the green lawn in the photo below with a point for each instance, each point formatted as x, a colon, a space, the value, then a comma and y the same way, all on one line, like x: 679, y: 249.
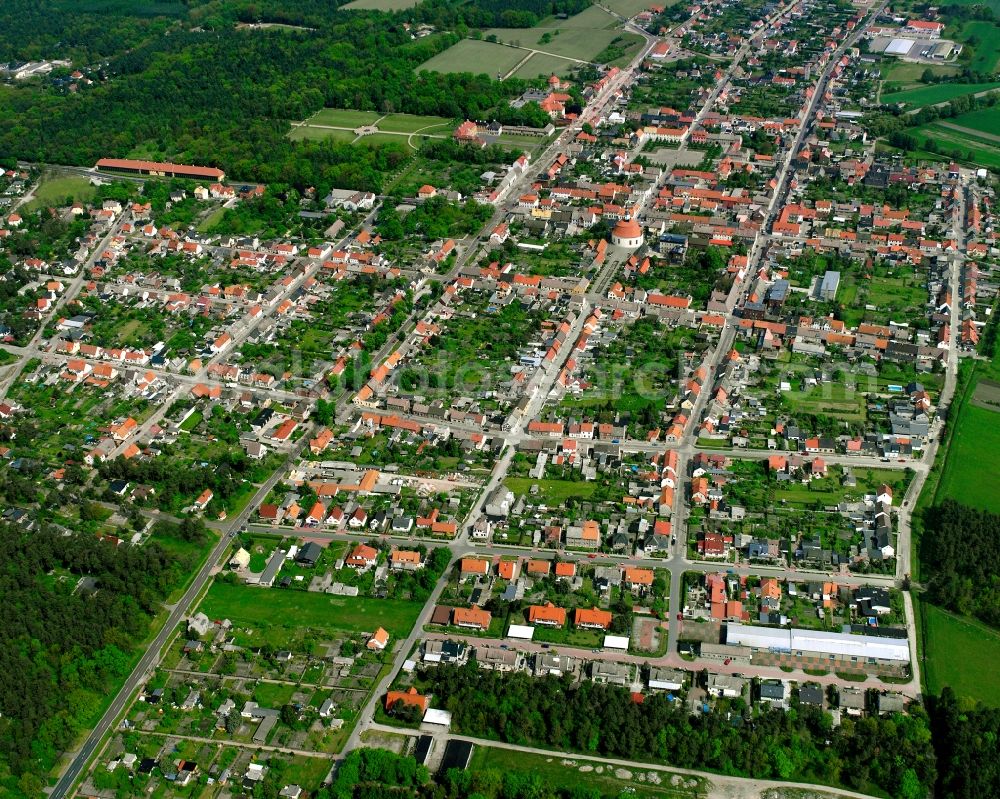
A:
x: 274, y: 695
x: 986, y: 51
x: 972, y: 469
x: 541, y: 65
x: 380, y: 5
x: 246, y: 605
x: 970, y: 147
x: 552, y: 492
x: 55, y: 190
x: 939, y: 93
x: 959, y: 652
x: 410, y: 123
x: 474, y: 56
x: 344, y: 117
x: 298, y: 133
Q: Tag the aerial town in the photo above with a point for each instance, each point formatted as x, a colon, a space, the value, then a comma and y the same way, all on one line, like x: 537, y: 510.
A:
x: 653, y: 405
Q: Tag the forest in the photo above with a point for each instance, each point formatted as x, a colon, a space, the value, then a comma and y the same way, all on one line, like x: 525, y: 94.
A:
x: 967, y: 741
x: 960, y: 560
x: 226, y: 97
x: 64, y: 649
x: 890, y: 754
x: 494, y: 13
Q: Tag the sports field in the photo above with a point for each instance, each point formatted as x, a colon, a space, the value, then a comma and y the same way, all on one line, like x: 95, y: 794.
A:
x: 249, y: 606
x: 959, y: 652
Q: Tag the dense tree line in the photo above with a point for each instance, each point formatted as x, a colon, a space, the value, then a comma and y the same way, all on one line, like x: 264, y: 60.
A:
x: 893, y: 753
x: 960, y: 558
x: 62, y: 649
x: 967, y: 742
x: 226, y: 98
x: 492, y: 13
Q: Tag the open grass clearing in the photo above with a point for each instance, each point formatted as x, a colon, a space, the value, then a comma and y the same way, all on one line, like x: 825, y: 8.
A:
x: 551, y: 492
x: 56, y: 189
x: 250, y: 606
x: 971, y: 473
x: 343, y: 117
x: 909, y: 73
x: 411, y: 123
x: 542, y: 64
x: 471, y: 55
x: 573, y: 42
x: 380, y: 5
x: 301, y: 132
x: 959, y: 652
x: 969, y: 148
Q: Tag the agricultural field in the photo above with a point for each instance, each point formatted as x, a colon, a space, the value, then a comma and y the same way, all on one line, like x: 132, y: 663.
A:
x: 247, y: 606
x: 959, y: 652
x: 971, y: 474
x: 582, y: 36
x: 962, y: 144
x: 985, y: 120
x: 939, y: 93
x: 56, y: 189
x: 470, y: 55
x: 629, y: 8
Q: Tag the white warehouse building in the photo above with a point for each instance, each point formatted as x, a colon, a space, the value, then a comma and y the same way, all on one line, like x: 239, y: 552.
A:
x: 843, y: 647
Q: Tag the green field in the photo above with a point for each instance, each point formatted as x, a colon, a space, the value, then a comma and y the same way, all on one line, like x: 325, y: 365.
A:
x: 55, y: 190
x: 470, y: 55
x: 629, y: 8
x: 971, y: 475
x: 339, y: 125
x: 410, y: 123
x: 991, y: 4
x: 908, y: 74
x: 299, y: 133
x: 551, y: 492
x: 940, y: 93
x: 986, y: 51
x: 540, y: 65
x: 343, y: 118
x: 985, y: 120
x: 380, y: 5
x: 565, y: 771
x: 969, y: 147
x: 249, y: 606
x: 959, y: 652
x: 582, y: 36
